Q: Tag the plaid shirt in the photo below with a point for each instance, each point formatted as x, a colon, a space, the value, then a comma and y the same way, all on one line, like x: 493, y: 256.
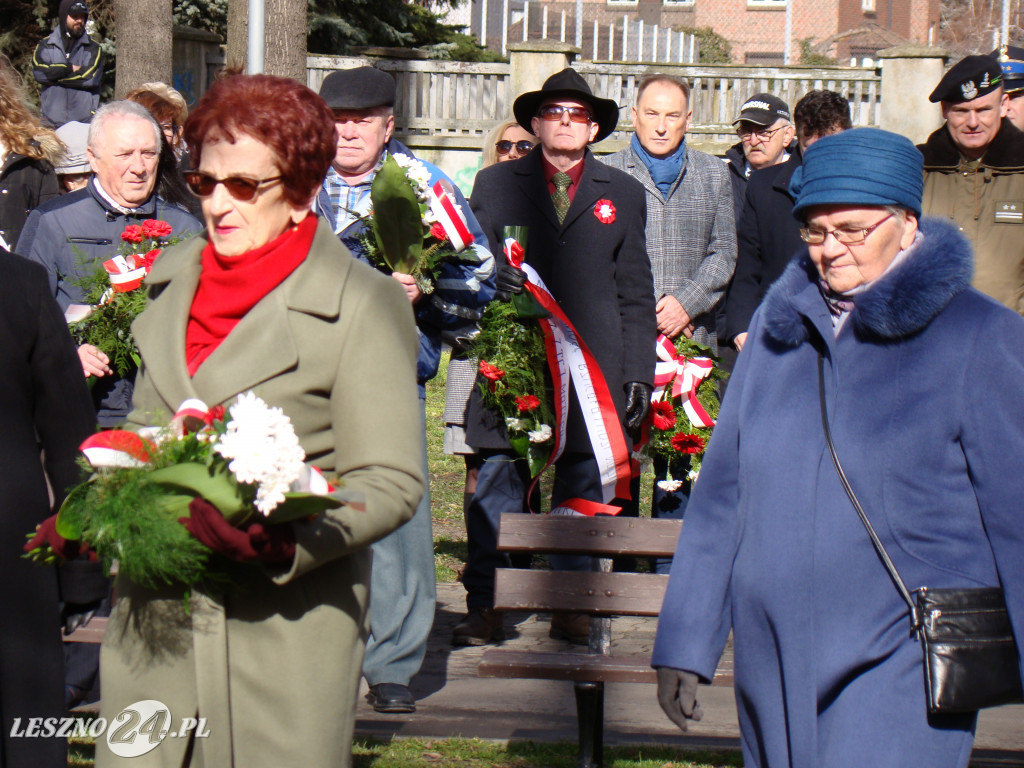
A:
x: 349, y: 202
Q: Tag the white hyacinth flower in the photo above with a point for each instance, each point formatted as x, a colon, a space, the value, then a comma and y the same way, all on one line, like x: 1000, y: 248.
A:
x: 513, y: 423
x: 262, y: 448
x: 540, y: 435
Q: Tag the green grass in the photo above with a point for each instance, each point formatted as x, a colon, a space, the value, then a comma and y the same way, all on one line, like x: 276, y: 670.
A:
x: 474, y: 753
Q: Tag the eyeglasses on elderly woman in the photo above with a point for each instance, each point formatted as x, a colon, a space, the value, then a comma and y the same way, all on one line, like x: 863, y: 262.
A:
x: 239, y: 187
x: 845, y: 235
x: 505, y: 146
x: 555, y: 112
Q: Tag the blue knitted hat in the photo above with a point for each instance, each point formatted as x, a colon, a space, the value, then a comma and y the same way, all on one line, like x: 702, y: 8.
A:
x: 862, y: 166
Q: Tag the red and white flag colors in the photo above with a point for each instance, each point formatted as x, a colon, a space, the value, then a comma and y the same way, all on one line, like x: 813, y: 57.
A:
x: 449, y: 216
x: 684, y: 375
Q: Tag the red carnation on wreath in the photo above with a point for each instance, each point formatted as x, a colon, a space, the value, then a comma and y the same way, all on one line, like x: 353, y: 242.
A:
x: 688, y: 443
x: 604, y: 210
x: 437, y: 232
x: 145, y: 260
x: 491, y: 372
x: 527, y: 403
x: 663, y: 414
x: 133, y: 233
x: 154, y: 228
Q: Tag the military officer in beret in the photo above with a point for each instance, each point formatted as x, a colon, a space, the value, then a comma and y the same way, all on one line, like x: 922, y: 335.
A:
x: 1011, y: 59
x: 402, y: 591
x: 974, y: 175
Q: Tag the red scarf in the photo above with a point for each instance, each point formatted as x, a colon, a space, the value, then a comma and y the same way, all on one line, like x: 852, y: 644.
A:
x: 229, y: 286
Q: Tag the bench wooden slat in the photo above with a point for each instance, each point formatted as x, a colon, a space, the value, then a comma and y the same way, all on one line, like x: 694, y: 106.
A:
x: 578, y: 667
x: 603, y: 594
x: 90, y: 632
x: 595, y: 536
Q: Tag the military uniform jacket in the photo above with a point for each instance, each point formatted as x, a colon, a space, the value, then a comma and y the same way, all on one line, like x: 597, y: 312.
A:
x: 985, y: 199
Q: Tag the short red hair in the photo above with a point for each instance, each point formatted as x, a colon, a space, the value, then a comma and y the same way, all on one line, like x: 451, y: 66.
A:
x: 288, y: 117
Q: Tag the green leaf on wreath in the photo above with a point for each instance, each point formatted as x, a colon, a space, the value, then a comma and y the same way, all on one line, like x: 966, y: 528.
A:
x: 538, y: 457
x: 217, y: 486
x: 397, y: 225
x: 297, y: 506
x: 68, y: 525
x: 527, y: 307
x: 520, y: 444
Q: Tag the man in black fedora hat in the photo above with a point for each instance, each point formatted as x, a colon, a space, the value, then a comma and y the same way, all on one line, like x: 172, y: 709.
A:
x: 585, y: 239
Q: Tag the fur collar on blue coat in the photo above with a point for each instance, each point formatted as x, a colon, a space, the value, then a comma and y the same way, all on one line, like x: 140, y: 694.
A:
x: 898, y: 305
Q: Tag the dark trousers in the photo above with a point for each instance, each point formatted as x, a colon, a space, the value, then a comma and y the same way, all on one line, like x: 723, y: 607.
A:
x: 669, y: 505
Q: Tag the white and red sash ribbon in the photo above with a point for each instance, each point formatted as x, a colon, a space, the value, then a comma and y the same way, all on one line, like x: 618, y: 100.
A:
x: 569, y: 359
x: 684, y: 375
x: 124, y: 277
x: 450, y: 217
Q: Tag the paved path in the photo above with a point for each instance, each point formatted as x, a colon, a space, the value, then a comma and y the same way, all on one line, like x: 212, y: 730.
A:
x: 453, y: 701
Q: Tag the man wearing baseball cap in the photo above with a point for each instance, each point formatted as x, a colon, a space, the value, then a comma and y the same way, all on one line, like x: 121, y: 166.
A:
x: 974, y: 175
x: 765, y: 128
x: 69, y: 66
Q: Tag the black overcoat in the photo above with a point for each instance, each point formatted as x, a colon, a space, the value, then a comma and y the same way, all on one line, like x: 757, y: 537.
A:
x: 767, y: 238
x: 598, y: 272
x: 46, y: 414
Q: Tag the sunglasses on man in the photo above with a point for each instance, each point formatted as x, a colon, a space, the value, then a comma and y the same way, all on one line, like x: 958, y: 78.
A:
x: 555, y: 112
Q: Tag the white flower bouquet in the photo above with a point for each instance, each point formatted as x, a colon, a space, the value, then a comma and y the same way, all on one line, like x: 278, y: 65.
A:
x: 246, y: 461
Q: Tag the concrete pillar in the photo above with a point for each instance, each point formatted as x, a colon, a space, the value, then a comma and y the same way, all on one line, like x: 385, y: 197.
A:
x: 533, y: 62
x: 909, y: 74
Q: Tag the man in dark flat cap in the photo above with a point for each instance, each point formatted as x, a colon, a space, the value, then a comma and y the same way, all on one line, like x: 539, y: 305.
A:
x: 974, y: 175
x: 1011, y: 60
x: 402, y: 592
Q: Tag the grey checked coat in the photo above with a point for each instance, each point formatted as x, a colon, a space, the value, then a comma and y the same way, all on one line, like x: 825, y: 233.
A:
x: 691, y: 236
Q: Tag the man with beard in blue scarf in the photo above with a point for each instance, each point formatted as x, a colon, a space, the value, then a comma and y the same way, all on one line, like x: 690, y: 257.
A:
x: 691, y: 235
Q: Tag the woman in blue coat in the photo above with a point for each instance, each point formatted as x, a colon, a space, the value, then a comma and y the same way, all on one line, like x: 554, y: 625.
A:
x: 923, y: 381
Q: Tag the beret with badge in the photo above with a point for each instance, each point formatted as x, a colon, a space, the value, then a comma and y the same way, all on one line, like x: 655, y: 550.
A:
x: 968, y: 79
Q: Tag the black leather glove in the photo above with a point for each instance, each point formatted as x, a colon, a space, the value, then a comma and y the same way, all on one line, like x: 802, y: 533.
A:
x: 508, y: 281
x: 677, y: 695
x: 638, y: 403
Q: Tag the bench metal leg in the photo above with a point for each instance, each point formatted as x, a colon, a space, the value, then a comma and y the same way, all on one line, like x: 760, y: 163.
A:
x: 590, y: 716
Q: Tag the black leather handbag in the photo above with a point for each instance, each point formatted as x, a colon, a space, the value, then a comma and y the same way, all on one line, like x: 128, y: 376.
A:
x: 970, y: 656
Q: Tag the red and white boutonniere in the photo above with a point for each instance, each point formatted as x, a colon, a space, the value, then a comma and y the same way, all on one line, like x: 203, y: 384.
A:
x: 605, y: 211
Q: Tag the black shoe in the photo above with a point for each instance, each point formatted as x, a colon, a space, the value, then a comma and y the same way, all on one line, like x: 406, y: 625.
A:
x: 479, y: 627
x: 391, y: 697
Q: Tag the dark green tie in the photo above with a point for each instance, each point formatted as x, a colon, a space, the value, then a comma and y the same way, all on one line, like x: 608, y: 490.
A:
x: 561, y: 181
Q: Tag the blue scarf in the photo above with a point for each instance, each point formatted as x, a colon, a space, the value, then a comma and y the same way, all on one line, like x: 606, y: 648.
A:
x: 664, y: 170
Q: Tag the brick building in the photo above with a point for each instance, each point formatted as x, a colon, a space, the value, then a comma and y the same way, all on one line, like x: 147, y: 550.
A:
x: 842, y: 29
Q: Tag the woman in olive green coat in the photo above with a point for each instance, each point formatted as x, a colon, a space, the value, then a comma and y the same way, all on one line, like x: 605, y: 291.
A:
x: 268, y: 300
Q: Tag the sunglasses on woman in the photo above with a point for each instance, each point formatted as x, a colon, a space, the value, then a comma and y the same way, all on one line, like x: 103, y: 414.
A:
x: 505, y: 146
x: 576, y: 114
x: 239, y: 187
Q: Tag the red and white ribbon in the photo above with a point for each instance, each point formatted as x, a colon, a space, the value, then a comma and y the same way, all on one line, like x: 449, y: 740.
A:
x: 449, y: 217
x: 569, y: 359
x: 684, y: 375
x: 117, y: 448
x: 124, y: 277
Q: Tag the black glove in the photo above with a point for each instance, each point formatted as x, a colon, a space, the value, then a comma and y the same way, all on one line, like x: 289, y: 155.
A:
x: 508, y: 281
x: 638, y: 403
x: 677, y: 695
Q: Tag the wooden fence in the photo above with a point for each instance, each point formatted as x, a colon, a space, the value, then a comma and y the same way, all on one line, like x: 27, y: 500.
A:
x: 452, y: 105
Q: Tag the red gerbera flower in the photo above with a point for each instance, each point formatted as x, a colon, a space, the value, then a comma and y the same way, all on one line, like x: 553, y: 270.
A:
x: 155, y: 228
x: 527, y: 403
x: 685, y: 443
x: 133, y: 234
x: 663, y: 415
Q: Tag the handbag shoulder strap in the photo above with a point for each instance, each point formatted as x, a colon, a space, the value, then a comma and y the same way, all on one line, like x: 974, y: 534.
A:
x: 915, y: 617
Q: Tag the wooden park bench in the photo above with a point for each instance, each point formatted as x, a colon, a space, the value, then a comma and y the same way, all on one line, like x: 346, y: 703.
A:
x: 600, y: 593
x: 89, y: 632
